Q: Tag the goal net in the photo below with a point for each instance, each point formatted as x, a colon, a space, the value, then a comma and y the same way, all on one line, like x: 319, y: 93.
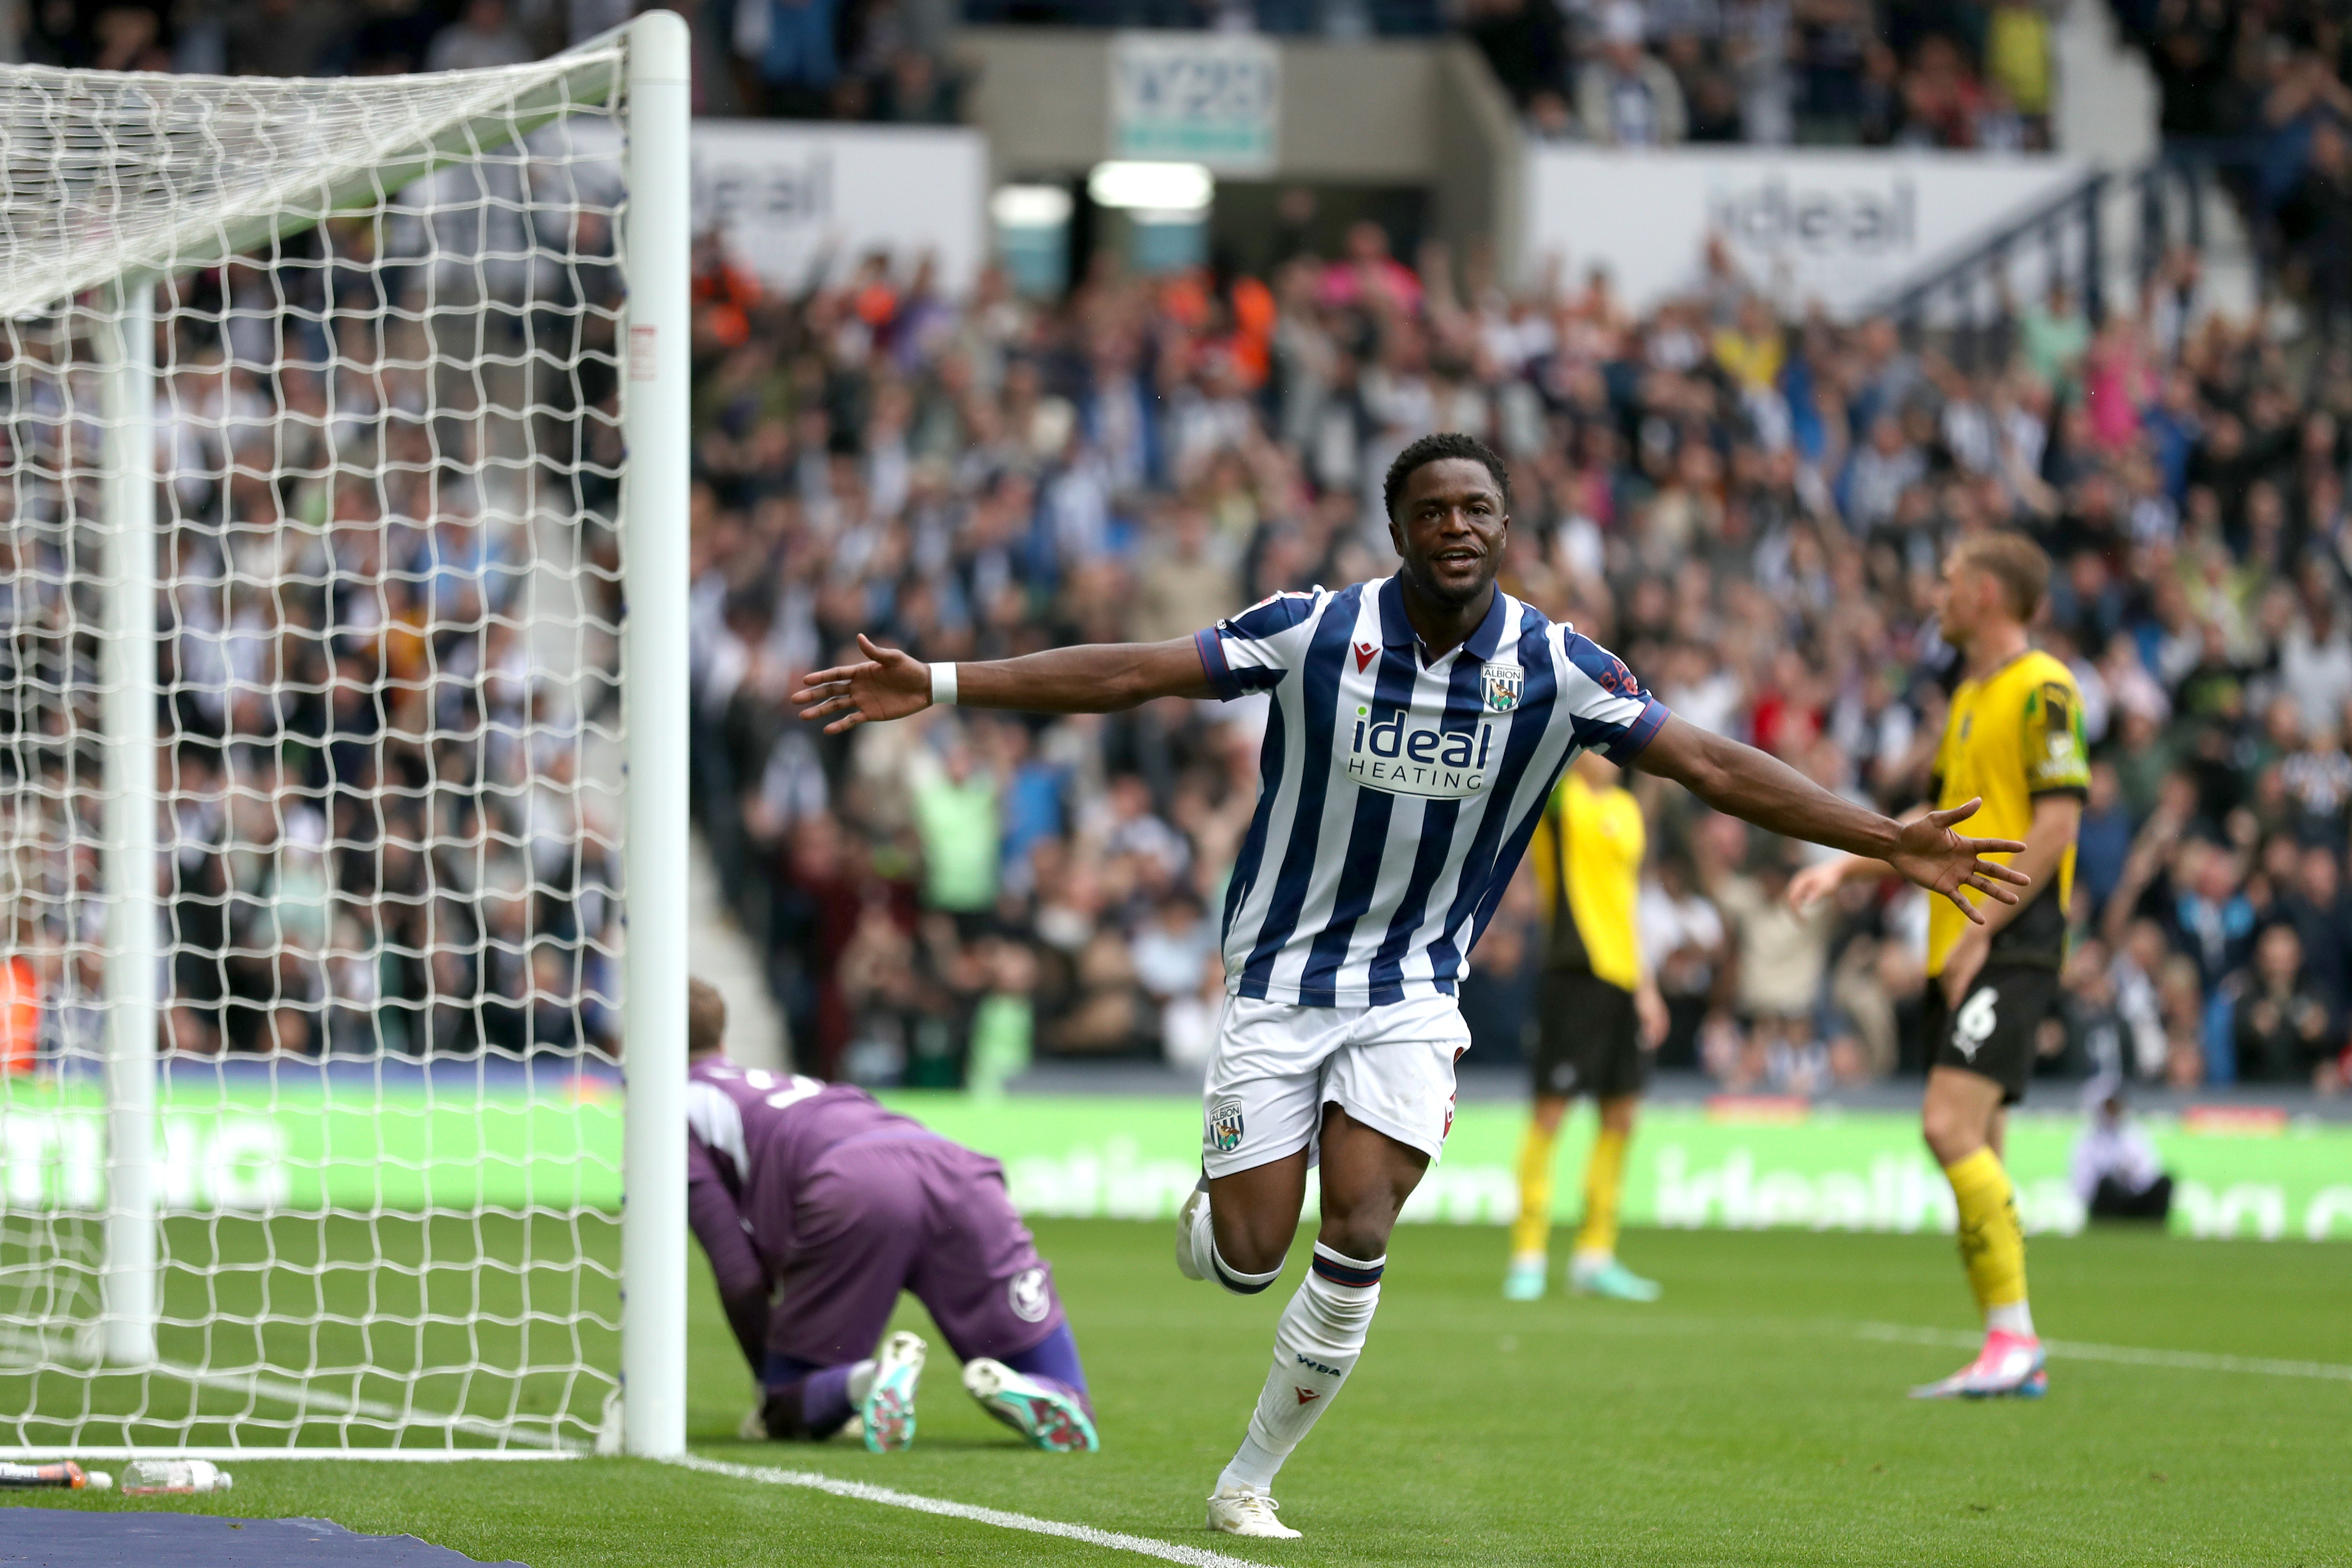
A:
x: 324, y: 483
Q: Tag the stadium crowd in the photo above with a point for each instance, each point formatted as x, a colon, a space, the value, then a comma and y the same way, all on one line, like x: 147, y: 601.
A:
x: 1749, y: 511
x: 375, y: 830
x: 1748, y: 508
x: 1929, y: 73
x: 2256, y: 95
x: 822, y: 59
x: 1908, y: 73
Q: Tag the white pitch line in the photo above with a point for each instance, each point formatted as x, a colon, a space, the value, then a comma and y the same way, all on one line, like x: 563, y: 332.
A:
x: 2123, y: 1354
x: 1110, y: 1540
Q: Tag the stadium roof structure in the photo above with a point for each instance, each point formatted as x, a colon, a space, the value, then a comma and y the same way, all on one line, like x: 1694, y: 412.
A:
x: 107, y: 174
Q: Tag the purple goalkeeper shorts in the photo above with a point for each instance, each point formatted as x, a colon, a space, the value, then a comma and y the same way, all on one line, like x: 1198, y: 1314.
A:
x: 882, y: 1214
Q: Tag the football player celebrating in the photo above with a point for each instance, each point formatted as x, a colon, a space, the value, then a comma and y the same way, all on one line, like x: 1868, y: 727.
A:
x: 2014, y: 740
x: 1417, y: 725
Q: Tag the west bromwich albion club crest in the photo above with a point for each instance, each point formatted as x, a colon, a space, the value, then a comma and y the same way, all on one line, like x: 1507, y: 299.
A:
x: 1225, y: 1125
x: 1499, y: 686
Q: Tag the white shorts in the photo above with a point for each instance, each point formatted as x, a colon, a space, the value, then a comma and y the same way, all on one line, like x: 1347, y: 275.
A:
x: 1276, y: 1065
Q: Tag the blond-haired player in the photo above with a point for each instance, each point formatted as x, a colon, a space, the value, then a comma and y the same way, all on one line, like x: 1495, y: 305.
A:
x: 2014, y: 737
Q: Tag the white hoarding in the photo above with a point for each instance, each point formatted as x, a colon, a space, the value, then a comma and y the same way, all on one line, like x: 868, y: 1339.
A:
x: 1196, y: 97
x: 784, y: 193
x: 1837, y: 227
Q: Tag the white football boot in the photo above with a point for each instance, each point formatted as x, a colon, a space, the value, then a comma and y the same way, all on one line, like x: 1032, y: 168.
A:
x: 1238, y: 1510
x: 1192, y: 1236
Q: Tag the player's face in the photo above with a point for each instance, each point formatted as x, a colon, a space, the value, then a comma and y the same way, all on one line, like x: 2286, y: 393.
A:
x: 1959, y: 601
x: 1450, y: 528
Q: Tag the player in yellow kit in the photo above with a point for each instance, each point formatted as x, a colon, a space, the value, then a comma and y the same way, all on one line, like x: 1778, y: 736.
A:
x: 1599, y: 1016
x: 2014, y: 737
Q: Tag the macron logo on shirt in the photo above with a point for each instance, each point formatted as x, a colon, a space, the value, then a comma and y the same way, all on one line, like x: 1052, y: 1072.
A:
x: 1395, y: 754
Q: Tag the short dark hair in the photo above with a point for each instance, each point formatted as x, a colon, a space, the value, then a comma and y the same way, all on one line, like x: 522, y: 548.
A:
x: 705, y: 1017
x: 1436, y: 448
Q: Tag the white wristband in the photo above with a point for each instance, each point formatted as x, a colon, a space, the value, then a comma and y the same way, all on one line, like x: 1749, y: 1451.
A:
x: 943, y: 685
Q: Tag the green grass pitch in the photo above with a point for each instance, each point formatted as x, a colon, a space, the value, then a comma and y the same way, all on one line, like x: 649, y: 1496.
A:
x: 1747, y: 1419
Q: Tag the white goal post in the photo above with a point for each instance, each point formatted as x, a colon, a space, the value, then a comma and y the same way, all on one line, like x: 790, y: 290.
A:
x: 343, y: 641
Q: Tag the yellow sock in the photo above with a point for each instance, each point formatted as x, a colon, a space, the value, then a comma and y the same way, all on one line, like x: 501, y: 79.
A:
x: 1534, y: 1223
x: 1604, y: 1180
x: 1992, y: 1247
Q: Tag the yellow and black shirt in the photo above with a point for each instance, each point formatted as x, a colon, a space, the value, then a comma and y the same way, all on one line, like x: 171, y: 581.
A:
x: 2012, y: 735
x: 1588, y: 857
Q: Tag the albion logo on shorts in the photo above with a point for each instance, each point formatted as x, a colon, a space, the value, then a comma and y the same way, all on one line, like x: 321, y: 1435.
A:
x: 1028, y: 1297
x: 1225, y: 1125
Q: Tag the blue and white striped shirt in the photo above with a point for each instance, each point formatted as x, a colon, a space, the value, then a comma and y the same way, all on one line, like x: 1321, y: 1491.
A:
x: 1396, y: 798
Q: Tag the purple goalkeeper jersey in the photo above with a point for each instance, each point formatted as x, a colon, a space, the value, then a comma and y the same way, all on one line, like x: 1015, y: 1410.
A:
x: 817, y: 1207
x: 752, y: 1139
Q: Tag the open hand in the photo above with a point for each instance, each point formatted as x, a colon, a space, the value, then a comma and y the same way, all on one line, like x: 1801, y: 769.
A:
x: 891, y: 684
x: 1929, y: 853
x: 1815, y: 883
x: 1649, y: 1013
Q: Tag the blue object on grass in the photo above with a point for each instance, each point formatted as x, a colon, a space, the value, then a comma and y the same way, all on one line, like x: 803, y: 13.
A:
x: 71, y: 1537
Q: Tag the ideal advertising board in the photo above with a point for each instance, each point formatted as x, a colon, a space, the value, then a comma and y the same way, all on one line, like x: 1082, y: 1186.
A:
x: 1804, y: 225
x: 788, y: 195
x: 243, y: 1148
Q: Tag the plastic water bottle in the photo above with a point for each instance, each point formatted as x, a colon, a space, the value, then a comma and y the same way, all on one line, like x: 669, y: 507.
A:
x: 64, y: 1474
x: 156, y: 1478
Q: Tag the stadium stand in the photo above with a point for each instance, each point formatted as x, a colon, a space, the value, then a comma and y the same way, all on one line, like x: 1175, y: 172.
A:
x: 1748, y: 507
x: 1751, y: 510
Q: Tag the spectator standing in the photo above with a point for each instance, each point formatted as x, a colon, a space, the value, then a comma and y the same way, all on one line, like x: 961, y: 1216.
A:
x: 955, y: 812
x: 791, y: 47
x: 1627, y: 98
x: 2283, y: 1032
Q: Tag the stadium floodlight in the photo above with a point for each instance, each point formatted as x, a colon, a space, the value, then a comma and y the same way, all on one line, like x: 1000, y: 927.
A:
x: 1173, y: 188
x: 1030, y: 206
x: 343, y: 482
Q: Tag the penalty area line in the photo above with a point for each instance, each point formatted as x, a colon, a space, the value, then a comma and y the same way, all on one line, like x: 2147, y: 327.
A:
x: 1110, y: 1540
x: 2121, y: 1355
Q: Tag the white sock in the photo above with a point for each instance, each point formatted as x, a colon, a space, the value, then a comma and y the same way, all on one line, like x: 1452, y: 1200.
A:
x: 2016, y: 1318
x: 1314, y: 1347
x: 861, y: 1381
x: 1588, y: 1260
x: 1231, y: 1278
x: 1253, y: 1465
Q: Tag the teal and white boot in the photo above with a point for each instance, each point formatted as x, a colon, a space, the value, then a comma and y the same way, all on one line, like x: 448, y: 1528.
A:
x: 1049, y: 1417
x: 887, y: 1411
x: 1609, y: 1277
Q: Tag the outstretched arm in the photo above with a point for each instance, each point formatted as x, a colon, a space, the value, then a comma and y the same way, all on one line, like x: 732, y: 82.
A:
x: 1095, y: 677
x: 1744, y: 782
x: 1818, y: 882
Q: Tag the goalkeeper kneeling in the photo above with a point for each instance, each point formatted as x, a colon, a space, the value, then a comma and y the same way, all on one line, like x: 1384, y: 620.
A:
x: 816, y: 1207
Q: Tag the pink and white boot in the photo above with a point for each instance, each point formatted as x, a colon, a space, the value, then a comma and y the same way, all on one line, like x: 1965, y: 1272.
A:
x: 2010, y: 1363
